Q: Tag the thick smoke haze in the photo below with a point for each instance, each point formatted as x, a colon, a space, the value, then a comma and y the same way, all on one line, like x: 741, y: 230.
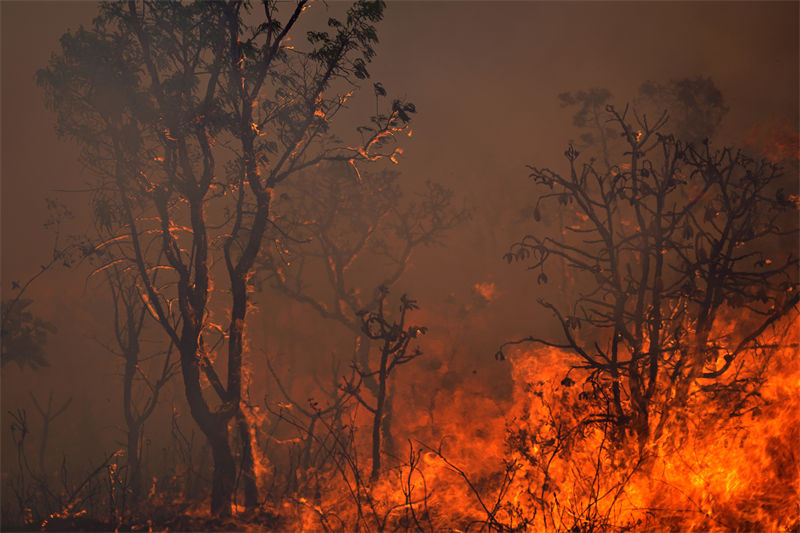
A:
x: 485, y: 79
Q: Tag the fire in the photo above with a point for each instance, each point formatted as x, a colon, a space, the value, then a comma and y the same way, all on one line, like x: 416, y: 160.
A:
x: 777, y: 140
x: 713, y: 468
x: 543, y: 462
x: 541, y: 458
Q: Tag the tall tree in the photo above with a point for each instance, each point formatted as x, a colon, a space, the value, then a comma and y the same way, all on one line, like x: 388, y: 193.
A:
x: 158, y: 94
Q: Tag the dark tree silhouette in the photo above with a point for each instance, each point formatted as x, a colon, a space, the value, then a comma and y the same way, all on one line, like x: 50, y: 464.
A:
x: 24, y: 333
x: 158, y: 95
x: 664, y: 246
x: 340, y: 239
x: 48, y: 416
x: 140, y: 388
x: 394, y: 338
x: 695, y: 106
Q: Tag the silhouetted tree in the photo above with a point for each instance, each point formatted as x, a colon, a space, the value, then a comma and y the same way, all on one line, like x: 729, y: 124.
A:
x: 24, y: 334
x: 394, y: 338
x: 695, y: 106
x: 341, y: 239
x: 317, y: 426
x: 158, y: 94
x: 664, y: 245
x: 48, y: 415
x: 130, y: 313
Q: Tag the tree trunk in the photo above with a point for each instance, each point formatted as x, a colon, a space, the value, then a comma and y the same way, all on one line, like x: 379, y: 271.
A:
x: 248, y: 471
x: 224, y: 477
x: 131, y: 419
x: 640, y: 409
x: 134, y: 465
x: 386, y: 426
x: 376, y: 442
x: 377, y: 423
x: 213, y: 425
x: 378, y: 387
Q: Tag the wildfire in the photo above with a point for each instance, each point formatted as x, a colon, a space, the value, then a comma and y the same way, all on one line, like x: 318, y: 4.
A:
x: 545, y: 462
x: 776, y: 140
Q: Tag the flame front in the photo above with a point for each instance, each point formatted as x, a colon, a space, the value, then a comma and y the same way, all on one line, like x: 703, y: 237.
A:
x: 544, y: 462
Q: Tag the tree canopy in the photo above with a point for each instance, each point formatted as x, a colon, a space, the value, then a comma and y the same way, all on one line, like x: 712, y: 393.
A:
x: 189, y: 115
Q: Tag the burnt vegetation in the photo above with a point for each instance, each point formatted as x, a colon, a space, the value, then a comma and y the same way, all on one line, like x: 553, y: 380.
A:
x: 231, y: 187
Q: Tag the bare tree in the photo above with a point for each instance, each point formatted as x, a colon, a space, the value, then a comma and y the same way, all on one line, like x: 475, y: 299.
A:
x: 48, y: 415
x: 695, y: 105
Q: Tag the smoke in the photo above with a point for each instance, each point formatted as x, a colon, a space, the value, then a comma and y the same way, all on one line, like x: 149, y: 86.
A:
x: 485, y: 79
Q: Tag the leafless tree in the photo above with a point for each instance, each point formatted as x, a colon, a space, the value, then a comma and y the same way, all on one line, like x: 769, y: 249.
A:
x: 48, y: 415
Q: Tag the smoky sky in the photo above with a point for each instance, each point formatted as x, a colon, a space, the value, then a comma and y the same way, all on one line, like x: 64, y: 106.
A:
x: 484, y: 77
